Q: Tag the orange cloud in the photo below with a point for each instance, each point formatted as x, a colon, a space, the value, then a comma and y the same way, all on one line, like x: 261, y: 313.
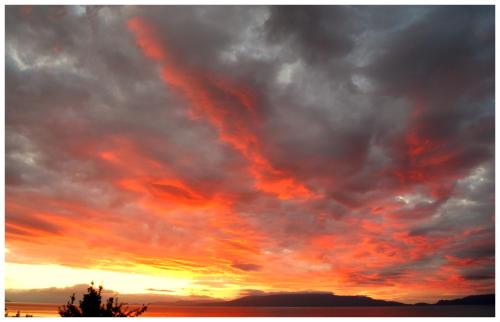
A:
x: 229, y: 108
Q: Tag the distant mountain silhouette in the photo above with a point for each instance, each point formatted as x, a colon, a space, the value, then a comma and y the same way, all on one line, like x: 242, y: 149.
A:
x: 484, y: 299
x: 306, y: 299
x: 329, y: 299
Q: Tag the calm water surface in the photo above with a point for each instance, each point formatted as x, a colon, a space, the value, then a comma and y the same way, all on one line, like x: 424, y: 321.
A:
x: 50, y: 310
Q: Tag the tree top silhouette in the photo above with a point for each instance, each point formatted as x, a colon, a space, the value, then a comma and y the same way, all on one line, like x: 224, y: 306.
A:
x: 91, y: 306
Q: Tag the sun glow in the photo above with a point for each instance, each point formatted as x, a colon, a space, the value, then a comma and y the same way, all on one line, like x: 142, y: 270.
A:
x: 30, y: 276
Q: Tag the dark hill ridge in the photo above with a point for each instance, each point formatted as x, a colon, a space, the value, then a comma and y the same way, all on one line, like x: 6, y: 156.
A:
x: 323, y: 299
x: 484, y: 299
x: 307, y: 299
x: 329, y: 299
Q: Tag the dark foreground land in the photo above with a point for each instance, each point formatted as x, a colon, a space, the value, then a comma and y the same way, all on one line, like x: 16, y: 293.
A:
x: 301, y: 305
x: 158, y: 310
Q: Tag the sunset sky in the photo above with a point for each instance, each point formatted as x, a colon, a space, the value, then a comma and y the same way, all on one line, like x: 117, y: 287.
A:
x: 214, y: 151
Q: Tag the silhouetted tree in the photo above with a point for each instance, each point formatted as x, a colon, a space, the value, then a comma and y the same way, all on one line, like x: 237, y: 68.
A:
x: 91, y: 305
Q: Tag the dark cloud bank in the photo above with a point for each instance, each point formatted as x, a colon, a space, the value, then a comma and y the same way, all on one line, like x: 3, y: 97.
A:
x: 385, y: 114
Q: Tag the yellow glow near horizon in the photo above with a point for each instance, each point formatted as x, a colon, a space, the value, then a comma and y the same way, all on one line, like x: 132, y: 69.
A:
x: 30, y: 276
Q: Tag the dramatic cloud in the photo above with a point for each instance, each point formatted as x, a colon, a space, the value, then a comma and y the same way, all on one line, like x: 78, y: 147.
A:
x: 248, y: 149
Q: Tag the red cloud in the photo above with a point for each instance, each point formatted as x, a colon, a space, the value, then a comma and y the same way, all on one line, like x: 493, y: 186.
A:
x: 229, y: 108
